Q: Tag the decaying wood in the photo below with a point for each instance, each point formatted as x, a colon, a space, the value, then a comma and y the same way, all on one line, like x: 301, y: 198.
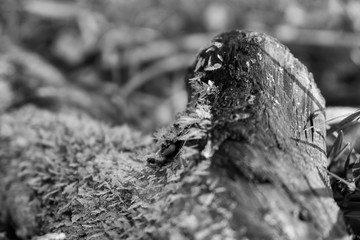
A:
x: 249, y: 165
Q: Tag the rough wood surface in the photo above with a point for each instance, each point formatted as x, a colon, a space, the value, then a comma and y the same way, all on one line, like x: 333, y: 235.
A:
x: 249, y: 167
x: 267, y: 139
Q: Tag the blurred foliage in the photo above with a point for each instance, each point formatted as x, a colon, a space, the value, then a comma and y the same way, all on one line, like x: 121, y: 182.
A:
x: 125, y: 61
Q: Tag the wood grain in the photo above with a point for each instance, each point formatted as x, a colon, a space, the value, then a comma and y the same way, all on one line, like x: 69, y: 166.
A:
x: 270, y: 163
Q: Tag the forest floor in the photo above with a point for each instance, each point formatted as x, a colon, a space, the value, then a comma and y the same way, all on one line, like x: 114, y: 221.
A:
x: 123, y: 63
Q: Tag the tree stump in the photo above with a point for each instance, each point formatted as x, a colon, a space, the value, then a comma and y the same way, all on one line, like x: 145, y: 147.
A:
x: 254, y: 127
x: 266, y: 141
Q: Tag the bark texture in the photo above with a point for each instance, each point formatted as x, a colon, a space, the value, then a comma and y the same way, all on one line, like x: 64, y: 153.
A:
x: 268, y: 123
x: 249, y: 167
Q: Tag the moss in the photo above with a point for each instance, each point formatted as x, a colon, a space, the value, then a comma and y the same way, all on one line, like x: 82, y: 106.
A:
x: 80, y: 170
x: 90, y: 180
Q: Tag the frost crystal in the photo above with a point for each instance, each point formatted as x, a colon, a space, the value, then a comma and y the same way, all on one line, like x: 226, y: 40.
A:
x: 217, y: 44
x: 214, y: 67
x: 210, y: 49
x: 199, y: 64
x: 207, y: 152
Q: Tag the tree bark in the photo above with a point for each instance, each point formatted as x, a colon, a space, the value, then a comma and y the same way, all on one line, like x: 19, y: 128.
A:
x: 270, y: 163
x: 254, y: 170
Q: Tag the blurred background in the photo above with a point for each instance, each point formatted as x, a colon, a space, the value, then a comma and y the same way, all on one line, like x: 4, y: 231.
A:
x: 124, y: 61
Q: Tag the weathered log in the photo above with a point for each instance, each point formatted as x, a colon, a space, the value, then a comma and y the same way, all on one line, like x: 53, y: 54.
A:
x: 266, y: 139
x: 254, y: 124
